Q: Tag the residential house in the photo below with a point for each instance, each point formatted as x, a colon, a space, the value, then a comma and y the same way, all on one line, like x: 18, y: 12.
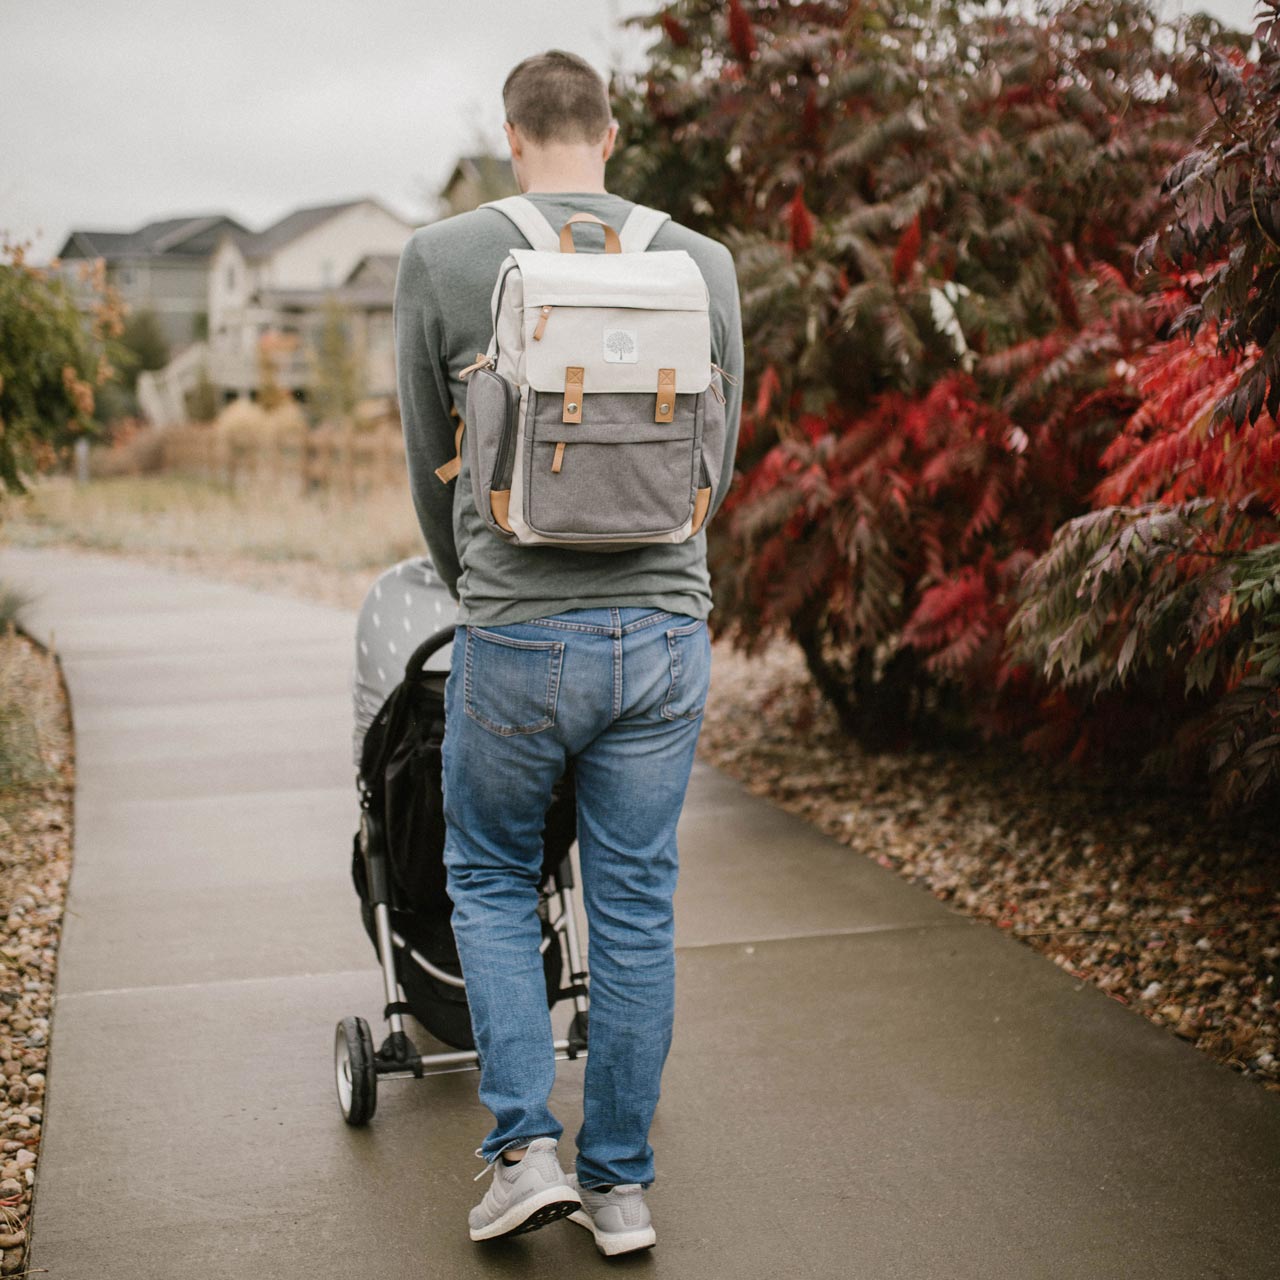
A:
x: 474, y: 180
x: 278, y: 280
x: 162, y: 267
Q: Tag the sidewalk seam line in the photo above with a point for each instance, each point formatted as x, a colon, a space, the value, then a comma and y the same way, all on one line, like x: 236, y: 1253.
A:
x: 346, y: 973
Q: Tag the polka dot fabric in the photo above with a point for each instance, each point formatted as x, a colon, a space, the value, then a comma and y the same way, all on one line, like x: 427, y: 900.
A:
x: 405, y: 606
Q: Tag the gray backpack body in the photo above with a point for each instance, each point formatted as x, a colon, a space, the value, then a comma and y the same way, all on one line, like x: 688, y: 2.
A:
x: 596, y: 419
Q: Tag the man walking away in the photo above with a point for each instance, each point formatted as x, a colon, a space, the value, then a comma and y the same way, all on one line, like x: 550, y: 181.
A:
x: 563, y: 658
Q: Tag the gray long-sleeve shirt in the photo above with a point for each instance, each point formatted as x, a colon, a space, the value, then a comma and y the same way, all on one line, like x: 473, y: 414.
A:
x: 442, y: 320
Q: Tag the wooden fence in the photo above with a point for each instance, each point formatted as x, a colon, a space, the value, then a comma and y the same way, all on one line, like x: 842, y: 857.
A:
x: 339, y: 458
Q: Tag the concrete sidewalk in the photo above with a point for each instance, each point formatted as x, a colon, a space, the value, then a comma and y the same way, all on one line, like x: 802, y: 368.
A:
x: 864, y: 1083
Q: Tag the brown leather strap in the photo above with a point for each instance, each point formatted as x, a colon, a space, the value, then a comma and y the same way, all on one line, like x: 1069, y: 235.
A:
x: 700, y: 507
x: 558, y: 461
x: 611, y: 242
x: 482, y: 362
x: 664, y: 405
x: 500, y: 505
x: 573, y: 379
x: 449, y: 470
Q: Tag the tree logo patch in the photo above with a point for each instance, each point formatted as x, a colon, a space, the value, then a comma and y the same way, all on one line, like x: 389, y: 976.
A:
x: 620, y: 346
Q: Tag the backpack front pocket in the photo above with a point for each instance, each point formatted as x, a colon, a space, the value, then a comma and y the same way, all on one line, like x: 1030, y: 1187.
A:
x: 612, y: 475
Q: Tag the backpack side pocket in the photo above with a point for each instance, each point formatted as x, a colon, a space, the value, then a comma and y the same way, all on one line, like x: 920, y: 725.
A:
x: 711, y: 460
x: 493, y: 409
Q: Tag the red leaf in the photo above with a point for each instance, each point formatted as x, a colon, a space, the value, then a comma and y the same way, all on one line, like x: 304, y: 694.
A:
x: 904, y: 256
x: 741, y: 35
x: 800, y: 222
x: 769, y: 386
x: 676, y: 32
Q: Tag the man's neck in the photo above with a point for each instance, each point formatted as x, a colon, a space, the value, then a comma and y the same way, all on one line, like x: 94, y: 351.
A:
x: 563, y: 169
x: 565, y: 184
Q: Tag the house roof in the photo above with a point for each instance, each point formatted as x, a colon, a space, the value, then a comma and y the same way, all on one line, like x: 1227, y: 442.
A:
x: 194, y: 235
x: 374, y: 268
x: 197, y: 235
x: 489, y: 172
x: 264, y: 243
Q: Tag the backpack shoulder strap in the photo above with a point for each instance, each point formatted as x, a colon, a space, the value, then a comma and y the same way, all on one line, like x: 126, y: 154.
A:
x: 641, y: 226
x: 528, y: 220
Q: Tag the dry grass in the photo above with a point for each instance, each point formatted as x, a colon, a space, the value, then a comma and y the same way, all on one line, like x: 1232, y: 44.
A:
x: 34, y: 741
x: 324, y: 546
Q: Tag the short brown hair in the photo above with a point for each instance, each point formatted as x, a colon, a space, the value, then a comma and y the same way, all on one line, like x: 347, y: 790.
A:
x: 557, y: 97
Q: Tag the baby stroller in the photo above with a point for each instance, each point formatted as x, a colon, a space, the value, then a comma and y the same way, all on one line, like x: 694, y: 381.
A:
x: 397, y: 861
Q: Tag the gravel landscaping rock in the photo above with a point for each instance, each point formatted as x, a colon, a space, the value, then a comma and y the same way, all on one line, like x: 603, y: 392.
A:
x: 35, y: 862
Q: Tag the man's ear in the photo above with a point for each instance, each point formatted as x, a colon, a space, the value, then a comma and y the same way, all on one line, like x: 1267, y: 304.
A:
x: 610, y: 138
x: 514, y: 140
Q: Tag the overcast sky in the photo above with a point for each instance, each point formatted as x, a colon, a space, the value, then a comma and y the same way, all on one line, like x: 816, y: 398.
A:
x: 114, y: 114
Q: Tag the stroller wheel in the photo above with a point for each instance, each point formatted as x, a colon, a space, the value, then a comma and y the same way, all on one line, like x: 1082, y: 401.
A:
x: 354, y: 1070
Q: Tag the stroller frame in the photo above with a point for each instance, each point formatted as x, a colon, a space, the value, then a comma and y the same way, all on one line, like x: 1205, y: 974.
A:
x: 357, y: 1065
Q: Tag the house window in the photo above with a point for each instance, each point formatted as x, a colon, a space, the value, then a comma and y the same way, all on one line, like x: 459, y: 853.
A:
x: 379, y: 330
x: 231, y: 278
x: 326, y: 272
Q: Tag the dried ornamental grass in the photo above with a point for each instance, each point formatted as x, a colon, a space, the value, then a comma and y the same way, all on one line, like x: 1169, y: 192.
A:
x: 259, y: 521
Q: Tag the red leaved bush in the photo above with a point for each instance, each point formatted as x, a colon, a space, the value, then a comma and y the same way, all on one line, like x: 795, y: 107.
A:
x: 898, y: 535
x: 952, y: 355
x: 1173, y: 450
x: 1169, y: 594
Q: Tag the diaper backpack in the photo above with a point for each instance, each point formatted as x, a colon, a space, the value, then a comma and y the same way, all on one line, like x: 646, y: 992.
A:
x: 596, y: 419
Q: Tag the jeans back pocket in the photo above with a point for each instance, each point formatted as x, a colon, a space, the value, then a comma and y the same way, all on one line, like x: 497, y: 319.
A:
x: 690, y: 654
x: 511, y: 686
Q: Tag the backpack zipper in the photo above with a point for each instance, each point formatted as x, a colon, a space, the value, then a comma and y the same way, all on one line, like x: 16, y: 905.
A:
x: 497, y: 306
x: 504, y: 464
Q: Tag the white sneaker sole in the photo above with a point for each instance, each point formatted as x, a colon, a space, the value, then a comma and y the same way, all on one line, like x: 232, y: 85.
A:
x: 613, y: 1242
x: 549, y: 1205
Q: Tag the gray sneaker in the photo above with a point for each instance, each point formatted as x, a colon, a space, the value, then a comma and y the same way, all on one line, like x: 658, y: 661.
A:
x: 524, y: 1196
x: 619, y: 1219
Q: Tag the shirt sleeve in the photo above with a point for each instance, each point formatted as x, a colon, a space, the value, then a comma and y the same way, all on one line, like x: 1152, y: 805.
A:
x: 422, y: 385
x: 726, y: 342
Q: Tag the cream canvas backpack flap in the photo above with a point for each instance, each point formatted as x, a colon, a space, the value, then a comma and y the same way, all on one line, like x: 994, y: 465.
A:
x: 596, y: 419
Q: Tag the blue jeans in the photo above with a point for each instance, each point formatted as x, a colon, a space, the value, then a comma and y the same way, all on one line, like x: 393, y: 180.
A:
x: 619, y: 693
